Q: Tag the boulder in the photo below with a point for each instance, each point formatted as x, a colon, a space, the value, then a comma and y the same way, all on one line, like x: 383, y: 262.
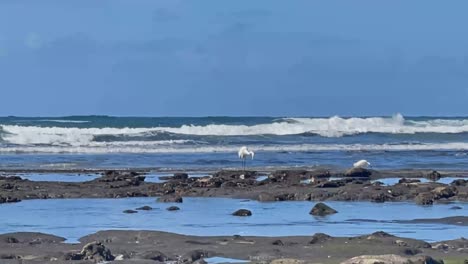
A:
x: 130, y: 212
x: 358, y: 173
x: 433, y: 176
x: 145, y: 208
x: 180, y: 176
x: 319, y: 238
x: 278, y: 243
x: 444, y: 192
x: 391, y: 259
x: 406, y: 180
x: 173, y: 208
x: 459, y: 182
x: 95, y: 251
x: 321, y: 209
x: 170, y: 199
x: 456, y: 208
x: 424, y: 199
x: 242, y: 212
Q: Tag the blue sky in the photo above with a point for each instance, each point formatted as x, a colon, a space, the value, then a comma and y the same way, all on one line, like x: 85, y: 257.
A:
x: 243, y: 57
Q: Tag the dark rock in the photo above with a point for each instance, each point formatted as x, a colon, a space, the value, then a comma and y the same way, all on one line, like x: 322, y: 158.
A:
x: 242, y: 212
x: 411, y: 251
x: 153, y: 255
x: 173, y: 208
x: 130, y: 211
x: 424, y: 199
x: 406, y: 180
x: 145, y: 208
x: 235, y: 175
x: 380, y: 197
x: 331, y: 184
x: 180, y: 176
x: 444, y: 192
x: 196, y: 255
x: 433, y: 176
x: 321, y: 209
x: 95, y: 251
x: 358, y: 173
x: 456, y: 208
x: 9, y: 256
x: 319, y: 238
x: 11, y: 240
x: 380, y: 234
x: 278, y: 243
x: 459, y: 182
x: 170, y: 199
x: 121, y: 179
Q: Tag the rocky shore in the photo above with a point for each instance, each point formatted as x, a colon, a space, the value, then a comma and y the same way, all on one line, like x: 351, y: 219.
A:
x: 282, y: 185
x: 161, y: 247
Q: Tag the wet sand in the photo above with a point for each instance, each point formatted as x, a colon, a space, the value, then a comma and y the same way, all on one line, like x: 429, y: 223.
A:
x: 142, y: 246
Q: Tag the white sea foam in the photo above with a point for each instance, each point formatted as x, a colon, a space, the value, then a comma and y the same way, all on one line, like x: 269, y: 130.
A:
x: 327, y: 127
x: 152, y: 147
x: 63, y: 121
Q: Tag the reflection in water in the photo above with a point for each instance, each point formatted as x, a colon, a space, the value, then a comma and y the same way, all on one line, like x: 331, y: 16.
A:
x: 74, y: 218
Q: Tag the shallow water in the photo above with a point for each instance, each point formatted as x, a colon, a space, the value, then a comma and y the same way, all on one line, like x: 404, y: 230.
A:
x: 74, y: 218
x: 393, y: 181
x: 62, y: 177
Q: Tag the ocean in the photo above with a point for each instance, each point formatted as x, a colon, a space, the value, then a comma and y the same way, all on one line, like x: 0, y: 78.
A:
x: 210, y: 143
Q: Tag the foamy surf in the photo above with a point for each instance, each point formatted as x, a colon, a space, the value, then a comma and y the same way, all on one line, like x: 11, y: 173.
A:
x: 171, y: 147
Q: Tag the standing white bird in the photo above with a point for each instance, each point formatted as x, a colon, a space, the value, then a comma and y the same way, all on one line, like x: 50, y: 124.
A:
x: 243, y: 153
x: 362, y: 164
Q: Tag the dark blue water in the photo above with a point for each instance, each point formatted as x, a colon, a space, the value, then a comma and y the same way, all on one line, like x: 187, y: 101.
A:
x: 212, y: 142
x: 74, y: 218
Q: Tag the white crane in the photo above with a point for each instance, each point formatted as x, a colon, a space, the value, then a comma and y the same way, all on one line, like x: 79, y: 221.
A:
x: 243, y: 153
x: 362, y: 164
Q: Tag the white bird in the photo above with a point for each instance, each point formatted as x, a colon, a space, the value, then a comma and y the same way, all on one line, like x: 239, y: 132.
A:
x: 243, y: 153
x: 361, y: 164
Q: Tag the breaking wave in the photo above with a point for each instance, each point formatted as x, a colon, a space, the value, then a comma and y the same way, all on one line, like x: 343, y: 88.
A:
x: 172, y: 147
x: 25, y: 138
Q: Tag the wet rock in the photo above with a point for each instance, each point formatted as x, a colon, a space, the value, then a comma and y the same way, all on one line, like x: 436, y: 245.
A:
x: 9, y: 199
x: 242, y: 212
x: 196, y: 255
x: 153, y: 255
x: 9, y: 256
x: 455, y: 208
x: 130, y: 212
x: 289, y: 176
x: 378, y: 235
x: 180, y: 176
x: 391, y: 259
x: 444, y: 192
x: 433, y: 176
x: 380, y: 197
x: 321, y: 209
x: 173, y: 208
x: 411, y: 251
x: 319, y: 238
x: 11, y: 240
x: 331, y: 184
x: 424, y: 199
x: 121, y: 179
x: 358, y: 173
x: 459, y: 182
x: 145, y: 208
x: 235, y: 175
x: 170, y: 199
x: 95, y: 251
x: 406, y: 180
x: 278, y: 243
